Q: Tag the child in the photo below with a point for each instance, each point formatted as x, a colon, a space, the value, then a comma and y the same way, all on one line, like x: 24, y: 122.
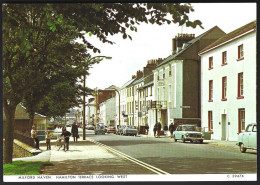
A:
x: 48, y: 139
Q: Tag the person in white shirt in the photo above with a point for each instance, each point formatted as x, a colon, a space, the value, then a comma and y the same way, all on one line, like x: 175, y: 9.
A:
x: 35, y: 137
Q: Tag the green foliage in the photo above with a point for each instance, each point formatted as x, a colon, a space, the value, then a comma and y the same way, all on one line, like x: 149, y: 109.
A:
x: 42, y: 63
x: 24, y: 168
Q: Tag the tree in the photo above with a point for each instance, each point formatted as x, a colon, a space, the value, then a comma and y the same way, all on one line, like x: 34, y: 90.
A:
x: 39, y: 44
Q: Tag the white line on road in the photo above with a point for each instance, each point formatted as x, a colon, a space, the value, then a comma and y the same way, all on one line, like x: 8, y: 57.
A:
x: 145, y: 165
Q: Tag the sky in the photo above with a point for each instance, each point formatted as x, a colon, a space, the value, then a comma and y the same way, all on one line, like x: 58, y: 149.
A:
x: 154, y: 41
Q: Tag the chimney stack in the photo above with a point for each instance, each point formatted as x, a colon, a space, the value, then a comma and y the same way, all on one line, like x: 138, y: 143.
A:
x: 179, y: 40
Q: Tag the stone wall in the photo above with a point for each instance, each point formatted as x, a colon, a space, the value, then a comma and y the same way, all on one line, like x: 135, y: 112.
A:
x: 19, y: 151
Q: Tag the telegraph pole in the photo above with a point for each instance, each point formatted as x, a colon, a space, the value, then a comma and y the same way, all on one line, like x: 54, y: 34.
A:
x: 84, y: 109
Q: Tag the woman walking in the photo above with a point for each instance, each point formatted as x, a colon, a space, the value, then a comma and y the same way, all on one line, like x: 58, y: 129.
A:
x: 75, y: 132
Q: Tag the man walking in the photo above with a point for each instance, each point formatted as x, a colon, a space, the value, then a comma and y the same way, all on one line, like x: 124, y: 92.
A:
x: 159, y: 126
x: 66, y: 134
x: 155, y: 129
x: 171, y: 128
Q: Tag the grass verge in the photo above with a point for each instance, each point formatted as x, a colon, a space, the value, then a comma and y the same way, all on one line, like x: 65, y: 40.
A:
x: 24, y: 168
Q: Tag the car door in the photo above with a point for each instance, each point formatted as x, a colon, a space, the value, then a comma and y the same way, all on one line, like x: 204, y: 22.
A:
x: 252, y: 137
x: 178, y: 132
x: 246, y: 135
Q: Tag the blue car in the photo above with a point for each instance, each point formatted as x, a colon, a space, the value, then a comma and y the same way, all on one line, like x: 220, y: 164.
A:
x: 129, y: 130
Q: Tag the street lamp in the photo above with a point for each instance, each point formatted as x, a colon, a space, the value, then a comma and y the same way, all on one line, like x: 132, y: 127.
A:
x: 118, y: 102
x: 84, y: 96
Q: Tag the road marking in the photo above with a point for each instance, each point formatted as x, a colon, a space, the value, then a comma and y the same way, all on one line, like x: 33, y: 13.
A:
x: 120, y: 154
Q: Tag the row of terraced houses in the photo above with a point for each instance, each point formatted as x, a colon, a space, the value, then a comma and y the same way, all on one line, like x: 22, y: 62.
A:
x: 208, y: 80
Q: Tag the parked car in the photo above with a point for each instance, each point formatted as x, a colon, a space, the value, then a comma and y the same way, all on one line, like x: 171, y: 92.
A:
x: 130, y: 130
x: 100, y: 128
x: 188, y: 132
x: 111, y: 129
x: 90, y: 127
x: 119, y: 129
x: 247, y: 139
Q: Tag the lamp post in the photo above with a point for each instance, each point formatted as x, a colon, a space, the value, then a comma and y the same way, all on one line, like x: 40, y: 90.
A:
x: 84, y: 96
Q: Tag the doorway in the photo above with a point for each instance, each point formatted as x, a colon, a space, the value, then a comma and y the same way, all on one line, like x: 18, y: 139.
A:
x: 223, y: 127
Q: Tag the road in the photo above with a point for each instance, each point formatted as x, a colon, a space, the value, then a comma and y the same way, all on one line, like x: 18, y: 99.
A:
x: 181, y: 158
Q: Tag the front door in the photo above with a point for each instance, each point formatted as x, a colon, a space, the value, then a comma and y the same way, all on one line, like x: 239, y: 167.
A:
x: 223, y: 127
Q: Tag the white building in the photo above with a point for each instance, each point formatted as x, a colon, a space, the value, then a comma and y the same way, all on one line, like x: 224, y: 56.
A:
x: 228, y: 83
x: 123, y: 104
x: 177, y: 79
x: 107, y: 112
x: 90, y: 111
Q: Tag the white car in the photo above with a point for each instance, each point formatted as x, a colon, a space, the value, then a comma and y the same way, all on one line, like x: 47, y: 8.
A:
x: 188, y: 132
x: 247, y: 139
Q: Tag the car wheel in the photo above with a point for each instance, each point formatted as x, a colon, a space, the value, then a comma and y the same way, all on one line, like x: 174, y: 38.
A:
x: 183, y: 139
x: 201, y: 141
x: 95, y: 133
x: 242, y: 148
x: 174, y: 138
x: 191, y: 141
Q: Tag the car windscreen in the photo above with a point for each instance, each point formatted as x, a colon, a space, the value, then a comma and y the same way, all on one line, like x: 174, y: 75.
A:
x: 189, y: 128
x: 131, y: 126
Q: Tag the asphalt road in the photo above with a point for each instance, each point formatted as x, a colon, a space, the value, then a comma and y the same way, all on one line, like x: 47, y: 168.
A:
x: 182, y: 158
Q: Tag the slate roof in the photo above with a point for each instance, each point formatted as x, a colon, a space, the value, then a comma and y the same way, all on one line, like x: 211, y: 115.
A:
x: 189, y: 43
x: 128, y: 83
x: 231, y: 35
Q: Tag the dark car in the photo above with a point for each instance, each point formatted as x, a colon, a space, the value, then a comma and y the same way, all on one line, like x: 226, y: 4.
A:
x: 111, y: 129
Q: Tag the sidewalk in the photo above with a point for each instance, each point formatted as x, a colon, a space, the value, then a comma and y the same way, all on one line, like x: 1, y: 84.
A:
x: 83, y: 157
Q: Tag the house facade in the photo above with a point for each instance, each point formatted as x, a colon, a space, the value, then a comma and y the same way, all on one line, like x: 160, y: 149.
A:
x: 228, y: 83
x: 177, y: 79
x: 108, y: 111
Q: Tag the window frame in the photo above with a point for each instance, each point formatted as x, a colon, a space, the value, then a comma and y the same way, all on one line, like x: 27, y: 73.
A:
x: 210, y: 121
x: 240, y: 93
x: 210, y: 62
x: 224, y: 58
x: 240, y: 50
x: 210, y: 91
x: 240, y: 119
x: 224, y: 88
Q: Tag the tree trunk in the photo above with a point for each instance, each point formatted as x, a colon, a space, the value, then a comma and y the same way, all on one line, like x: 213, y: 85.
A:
x: 9, y: 136
x: 31, y: 120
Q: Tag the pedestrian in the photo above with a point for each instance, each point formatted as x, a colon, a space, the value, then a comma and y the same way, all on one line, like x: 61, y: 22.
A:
x: 48, y: 139
x: 159, y: 126
x: 74, y: 131
x: 155, y: 129
x: 147, y: 129
x: 66, y: 134
x: 171, y: 128
x: 35, y: 137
